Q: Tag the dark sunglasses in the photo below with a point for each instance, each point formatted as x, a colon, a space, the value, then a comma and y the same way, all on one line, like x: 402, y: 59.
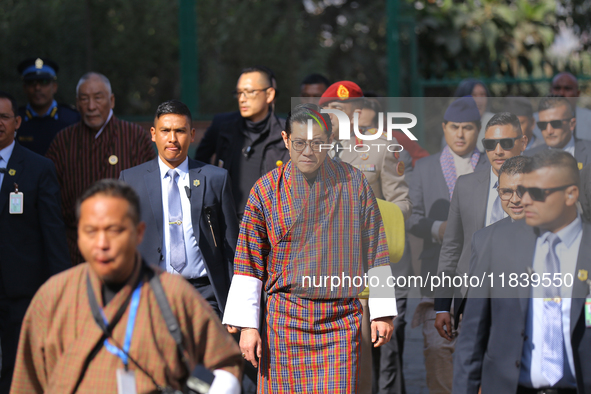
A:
x: 506, y: 143
x: 556, y: 124
x: 538, y: 194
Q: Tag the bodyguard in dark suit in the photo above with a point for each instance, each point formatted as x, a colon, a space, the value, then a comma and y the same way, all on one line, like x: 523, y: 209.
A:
x: 475, y: 204
x: 33, y: 243
x: 431, y: 186
x: 247, y: 143
x: 557, y: 122
x: 585, y: 192
x: 191, y: 225
x: 528, y: 339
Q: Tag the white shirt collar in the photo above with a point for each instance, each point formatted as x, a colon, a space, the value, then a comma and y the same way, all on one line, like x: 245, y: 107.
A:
x: 6, y: 153
x: 104, y: 125
x: 570, y: 146
x: 568, y: 234
x: 182, y: 169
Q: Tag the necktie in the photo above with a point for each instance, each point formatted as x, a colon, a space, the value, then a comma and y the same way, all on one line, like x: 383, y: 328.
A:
x: 553, y: 342
x: 175, y: 223
x: 497, y: 210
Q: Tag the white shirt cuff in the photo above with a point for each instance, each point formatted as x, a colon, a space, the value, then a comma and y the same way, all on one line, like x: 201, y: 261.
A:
x: 244, y: 302
x: 382, y: 296
x: 435, y: 231
x: 224, y: 383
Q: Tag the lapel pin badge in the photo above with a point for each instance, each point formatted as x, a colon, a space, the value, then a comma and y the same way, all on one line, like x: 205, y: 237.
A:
x: 580, y: 165
x: 12, y: 172
x: 582, y: 275
x: 196, y: 182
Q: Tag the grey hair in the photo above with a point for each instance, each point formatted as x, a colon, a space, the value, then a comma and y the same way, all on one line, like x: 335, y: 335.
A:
x: 90, y: 74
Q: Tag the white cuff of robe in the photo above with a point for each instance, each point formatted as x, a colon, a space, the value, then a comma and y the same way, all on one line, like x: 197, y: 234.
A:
x: 224, y: 383
x: 244, y: 302
x: 382, y: 300
x: 435, y: 231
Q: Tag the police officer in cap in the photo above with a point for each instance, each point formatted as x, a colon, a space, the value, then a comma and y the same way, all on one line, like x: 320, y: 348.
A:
x: 42, y: 117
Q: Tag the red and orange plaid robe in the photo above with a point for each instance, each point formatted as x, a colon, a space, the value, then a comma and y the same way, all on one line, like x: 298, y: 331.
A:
x: 59, y: 334
x: 311, y: 339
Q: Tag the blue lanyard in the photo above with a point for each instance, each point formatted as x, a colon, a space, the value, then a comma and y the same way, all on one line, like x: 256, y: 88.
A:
x: 122, y: 354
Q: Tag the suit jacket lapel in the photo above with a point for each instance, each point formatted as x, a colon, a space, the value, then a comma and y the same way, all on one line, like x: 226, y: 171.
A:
x: 14, y: 163
x: 525, y: 256
x: 440, y: 183
x: 580, y: 153
x: 581, y: 287
x: 481, y: 198
x: 154, y: 188
x: 197, y: 185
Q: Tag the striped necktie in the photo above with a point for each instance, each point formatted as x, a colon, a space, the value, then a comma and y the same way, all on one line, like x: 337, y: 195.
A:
x: 175, y: 223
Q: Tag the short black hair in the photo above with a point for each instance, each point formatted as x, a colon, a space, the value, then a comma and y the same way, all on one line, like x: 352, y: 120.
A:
x: 9, y: 97
x: 302, y: 112
x: 316, y: 79
x: 515, y: 165
x: 113, y: 188
x: 267, y: 73
x: 554, y: 101
x: 174, y: 107
x: 505, y: 118
x: 555, y: 158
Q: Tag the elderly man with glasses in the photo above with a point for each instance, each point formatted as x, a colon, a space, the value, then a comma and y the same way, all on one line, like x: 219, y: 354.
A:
x: 248, y: 142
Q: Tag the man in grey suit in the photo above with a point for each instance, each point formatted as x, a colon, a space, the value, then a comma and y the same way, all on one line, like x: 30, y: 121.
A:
x: 526, y: 339
x: 558, y: 122
x: 474, y: 205
x: 188, y: 208
x: 431, y: 186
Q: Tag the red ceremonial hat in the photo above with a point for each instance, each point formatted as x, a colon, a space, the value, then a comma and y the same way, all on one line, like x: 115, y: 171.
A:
x: 341, y: 91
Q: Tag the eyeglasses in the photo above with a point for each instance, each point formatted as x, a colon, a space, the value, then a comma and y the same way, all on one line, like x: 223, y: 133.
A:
x: 506, y: 194
x: 300, y: 146
x: 34, y: 82
x: 556, y: 124
x: 6, y: 117
x: 248, y: 93
x: 506, y: 143
x: 538, y: 194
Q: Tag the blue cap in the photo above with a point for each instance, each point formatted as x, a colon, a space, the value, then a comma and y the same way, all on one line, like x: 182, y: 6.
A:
x: 463, y: 109
x: 38, y: 68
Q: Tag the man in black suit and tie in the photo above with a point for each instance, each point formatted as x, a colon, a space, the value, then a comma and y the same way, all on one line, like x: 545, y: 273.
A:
x: 33, y: 243
x: 557, y: 121
x: 475, y: 204
x: 431, y: 186
x: 188, y: 208
x: 533, y: 339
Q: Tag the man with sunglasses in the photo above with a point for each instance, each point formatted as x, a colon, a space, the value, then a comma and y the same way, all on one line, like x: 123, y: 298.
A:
x: 475, y: 204
x: 522, y: 108
x: 537, y: 341
x: 42, y: 117
x: 248, y: 142
x: 557, y: 122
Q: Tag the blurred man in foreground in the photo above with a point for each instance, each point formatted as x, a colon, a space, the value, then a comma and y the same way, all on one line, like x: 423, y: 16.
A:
x: 99, y: 326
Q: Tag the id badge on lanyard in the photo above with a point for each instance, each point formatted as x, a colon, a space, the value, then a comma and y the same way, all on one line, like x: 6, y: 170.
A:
x: 126, y: 383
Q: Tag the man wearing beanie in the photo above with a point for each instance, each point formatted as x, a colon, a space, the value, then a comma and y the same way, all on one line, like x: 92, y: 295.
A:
x: 385, y: 173
x: 431, y: 187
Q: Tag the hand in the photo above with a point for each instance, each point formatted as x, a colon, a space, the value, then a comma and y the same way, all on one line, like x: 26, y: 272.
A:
x: 251, y: 345
x: 385, y: 327
x: 232, y: 329
x: 442, y: 320
x: 442, y: 230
